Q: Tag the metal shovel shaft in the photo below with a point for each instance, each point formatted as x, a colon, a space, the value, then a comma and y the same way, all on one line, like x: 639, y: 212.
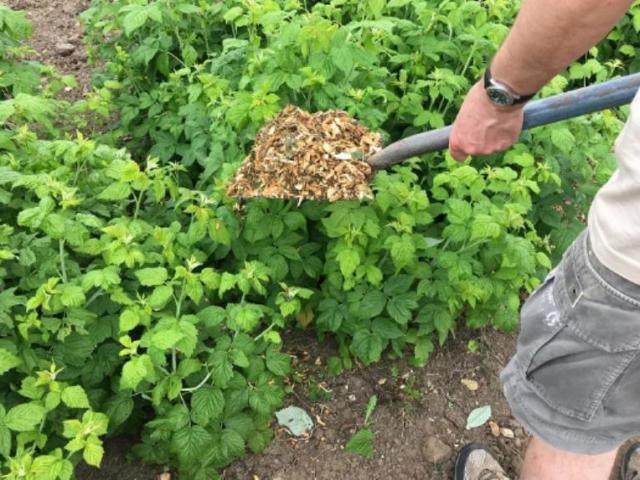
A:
x: 594, y: 98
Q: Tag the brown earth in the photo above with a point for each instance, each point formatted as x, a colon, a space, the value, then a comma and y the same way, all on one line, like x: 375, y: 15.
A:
x: 57, y: 38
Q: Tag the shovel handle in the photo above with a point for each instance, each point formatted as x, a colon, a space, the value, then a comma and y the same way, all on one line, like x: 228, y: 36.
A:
x: 575, y: 103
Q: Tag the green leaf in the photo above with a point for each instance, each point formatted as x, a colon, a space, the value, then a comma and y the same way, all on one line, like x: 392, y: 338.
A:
x: 72, y: 296
x: 278, y: 363
x: 115, y: 191
x: 75, y: 397
x: 222, y: 368
x: 166, y: 339
x: 5, y: 441
x: 8, y: 361
x: 129, y: 319
x: 160, y: 297
x: 349, y: 259
x: 372, y: 304
x: 361, y: 444
x: 207, y: 404
x: 93, y: 451
x: 136, y: 370
x: 400, y: 307
x: 190, y: 443
x: 367, y: 346
x: 134, y: 20
x: 24, y: 417
x: 151, y: 277
x: 386, y: 328
x: 478, y: 417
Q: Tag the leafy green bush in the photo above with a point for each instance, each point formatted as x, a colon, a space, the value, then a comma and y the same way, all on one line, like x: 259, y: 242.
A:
x: 135, y: 295
x: 108, y: 283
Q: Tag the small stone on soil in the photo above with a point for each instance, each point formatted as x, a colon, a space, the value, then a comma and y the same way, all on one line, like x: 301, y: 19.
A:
x: 65, y: 49
x: 436, y: 451
x: 470, y: 384
x: 495, y: 429
x: 507, y: 433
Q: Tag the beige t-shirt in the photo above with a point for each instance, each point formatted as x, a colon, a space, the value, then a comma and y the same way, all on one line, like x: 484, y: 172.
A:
x: 614, y: 218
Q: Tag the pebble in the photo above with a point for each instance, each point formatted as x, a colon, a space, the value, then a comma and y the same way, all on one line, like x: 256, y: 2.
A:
x: 436, y: 451
x: 352, y: 398
x: 65, y: 49
x: 507, y: 433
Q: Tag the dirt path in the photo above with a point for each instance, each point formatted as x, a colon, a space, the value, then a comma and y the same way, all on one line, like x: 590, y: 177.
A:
x: 57, y: 38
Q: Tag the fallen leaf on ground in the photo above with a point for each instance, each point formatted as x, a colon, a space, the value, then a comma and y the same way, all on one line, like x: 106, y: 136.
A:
x: 478, y: 417
x: 304, y: 156
x: 470, y: 384
x: 295, y: 419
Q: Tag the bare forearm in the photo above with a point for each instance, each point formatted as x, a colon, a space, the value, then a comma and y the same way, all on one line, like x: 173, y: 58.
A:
x: 550, y: 34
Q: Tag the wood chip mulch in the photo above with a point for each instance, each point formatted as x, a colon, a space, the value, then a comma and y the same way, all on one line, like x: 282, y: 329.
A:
x: 306, y: 156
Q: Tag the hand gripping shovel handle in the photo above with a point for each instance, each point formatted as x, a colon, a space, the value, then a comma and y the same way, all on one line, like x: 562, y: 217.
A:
x: 594, y: 98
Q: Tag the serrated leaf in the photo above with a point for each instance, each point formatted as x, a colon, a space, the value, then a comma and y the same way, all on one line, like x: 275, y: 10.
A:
x: 8, y: 361
x: 400, y: 307
x: 160, y: 297
x: 75, y: 397
x: 5, y: 441
x: 129, y: 319
x: 372, y: 304
x: 93, y: 452
x: 115, y: 191
x: 207, y: 404
x: 190, y: 443
x: 278, y: 363
x: 166, y: 339
x: 24, y: 417
x: 151, y: 277
x: 134, y: 20
x: 72, y: 295
x: 478, y: 417
x: 367, y: 346
x: 348, y: 259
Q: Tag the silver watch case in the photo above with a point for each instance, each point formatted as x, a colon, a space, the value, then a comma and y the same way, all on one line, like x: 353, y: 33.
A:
x: 500, y: 94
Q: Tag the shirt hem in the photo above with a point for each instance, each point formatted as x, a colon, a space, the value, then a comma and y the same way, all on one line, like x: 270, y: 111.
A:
x: 619, y: 264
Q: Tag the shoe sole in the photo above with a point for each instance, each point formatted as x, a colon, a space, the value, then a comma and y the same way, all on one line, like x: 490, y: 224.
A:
x: 633, y: 448
x: 463, y: 456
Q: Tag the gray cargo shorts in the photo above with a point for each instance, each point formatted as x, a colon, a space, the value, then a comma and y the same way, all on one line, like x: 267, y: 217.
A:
x: 574, y: 381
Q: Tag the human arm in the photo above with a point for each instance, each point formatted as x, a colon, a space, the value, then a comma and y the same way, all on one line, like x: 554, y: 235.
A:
x: 546, y: 37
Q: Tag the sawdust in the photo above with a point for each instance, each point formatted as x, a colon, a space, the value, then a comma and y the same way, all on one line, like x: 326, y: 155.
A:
x: 305, y: 156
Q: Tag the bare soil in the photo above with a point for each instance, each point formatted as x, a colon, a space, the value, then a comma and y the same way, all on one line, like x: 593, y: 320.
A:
x: 415, y: 406
x: 57, y: 38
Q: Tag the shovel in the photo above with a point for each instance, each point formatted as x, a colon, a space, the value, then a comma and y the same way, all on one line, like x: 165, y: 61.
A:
x: 594, y: 98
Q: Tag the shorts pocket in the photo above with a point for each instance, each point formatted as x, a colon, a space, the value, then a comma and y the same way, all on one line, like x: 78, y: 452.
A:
x: 572, y: 356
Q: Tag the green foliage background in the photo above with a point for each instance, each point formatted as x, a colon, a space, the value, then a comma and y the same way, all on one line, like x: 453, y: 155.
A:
x: 135, y: 295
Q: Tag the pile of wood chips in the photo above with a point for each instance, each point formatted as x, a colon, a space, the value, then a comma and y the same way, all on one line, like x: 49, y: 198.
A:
x: 306, y: 156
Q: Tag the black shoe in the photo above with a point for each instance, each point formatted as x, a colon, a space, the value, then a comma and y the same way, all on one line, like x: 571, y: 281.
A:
x: 475, y: 462
x: 630, y: 468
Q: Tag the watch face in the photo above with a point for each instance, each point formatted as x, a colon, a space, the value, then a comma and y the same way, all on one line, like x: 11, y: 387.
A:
x: 499, y: 96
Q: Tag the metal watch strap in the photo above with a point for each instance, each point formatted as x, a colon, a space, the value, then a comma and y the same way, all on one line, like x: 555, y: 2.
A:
x: 518, y: 99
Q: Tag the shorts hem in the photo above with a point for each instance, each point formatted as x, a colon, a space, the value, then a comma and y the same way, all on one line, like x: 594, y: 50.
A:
x: 557, y: 437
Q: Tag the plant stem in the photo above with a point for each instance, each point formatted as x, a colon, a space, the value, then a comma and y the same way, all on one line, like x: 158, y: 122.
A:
x: 63, y: 267
x: 138, y: 204
x: 264, y: 332
x: 174, y: 359
x: 197, y: 387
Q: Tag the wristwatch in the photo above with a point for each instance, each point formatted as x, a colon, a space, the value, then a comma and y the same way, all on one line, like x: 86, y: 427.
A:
x: 500, y: 94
